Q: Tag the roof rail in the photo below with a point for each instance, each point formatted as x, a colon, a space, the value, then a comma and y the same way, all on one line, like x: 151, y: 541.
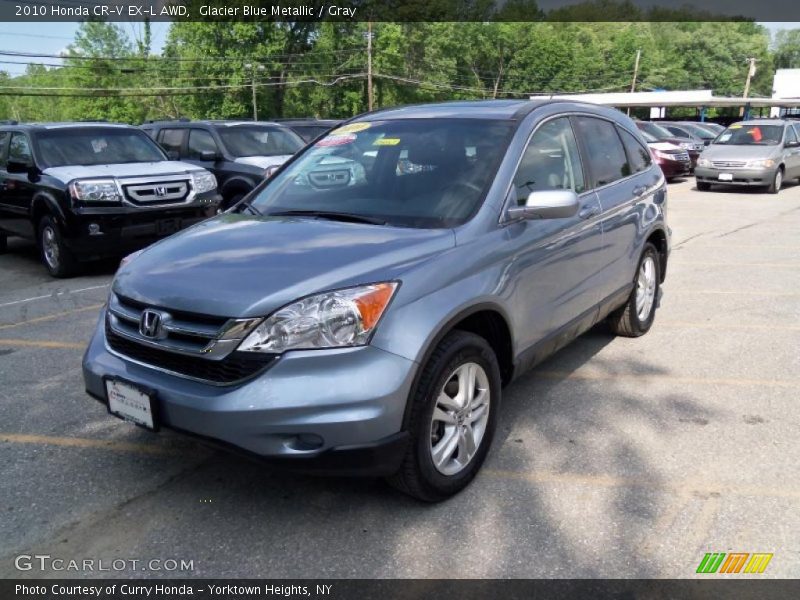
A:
x: 9, y: 122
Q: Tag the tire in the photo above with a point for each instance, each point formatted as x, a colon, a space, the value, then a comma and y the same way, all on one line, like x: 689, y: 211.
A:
x: 228, y: 202
x: 60, y: 262
x: 419, y: 476
x: 635, y: 317
x: 777, y: 182
x: 703, y: 186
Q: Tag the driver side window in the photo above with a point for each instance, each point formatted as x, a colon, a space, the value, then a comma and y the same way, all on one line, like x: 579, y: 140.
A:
x: 19, y: 150
x: 791, y: 136
x: 550, y: 162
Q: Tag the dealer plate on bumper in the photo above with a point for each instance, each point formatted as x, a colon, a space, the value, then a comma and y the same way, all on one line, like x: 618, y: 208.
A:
x: 131, y: 403
x: 725, y: 176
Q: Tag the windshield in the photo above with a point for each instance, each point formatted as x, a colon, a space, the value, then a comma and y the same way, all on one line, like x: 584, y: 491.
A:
x: 96, y: 146
x: 416, y: 173
x: 699, y: 131
x: 259, y: 140
x: 751, y: 135
x: 655, y: 130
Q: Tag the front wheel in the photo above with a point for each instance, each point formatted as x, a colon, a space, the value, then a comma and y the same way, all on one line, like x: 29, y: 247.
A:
x: 636, y: 316
x: 453, y: 416
x: 55, y: 255
x: 777, y: 182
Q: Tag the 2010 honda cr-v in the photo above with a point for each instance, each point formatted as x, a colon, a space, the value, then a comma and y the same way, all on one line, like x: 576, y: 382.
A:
x: 360, y: 312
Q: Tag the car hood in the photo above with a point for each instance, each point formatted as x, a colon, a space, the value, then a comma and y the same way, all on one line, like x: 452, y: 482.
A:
x: 263, y: 161
x: 726, y: 152
x: 242, y: 266
x: 142, y: 169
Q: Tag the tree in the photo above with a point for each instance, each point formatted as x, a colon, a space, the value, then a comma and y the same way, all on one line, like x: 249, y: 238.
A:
x: 787, y: 49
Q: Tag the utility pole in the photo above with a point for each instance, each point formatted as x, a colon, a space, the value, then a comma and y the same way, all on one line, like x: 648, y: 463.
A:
x: 253, y: 69
x: 750, y: 72
x: 369, y: 66
x: 635, y: 74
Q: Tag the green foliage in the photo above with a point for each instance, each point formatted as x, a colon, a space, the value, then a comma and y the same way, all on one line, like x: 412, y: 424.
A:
x: 319, y: 69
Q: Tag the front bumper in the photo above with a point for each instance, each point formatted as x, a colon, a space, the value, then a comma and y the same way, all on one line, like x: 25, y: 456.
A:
x: 745, y: 177
x: 674, y: 168
x: 333, y: 411
x: 92, y: 233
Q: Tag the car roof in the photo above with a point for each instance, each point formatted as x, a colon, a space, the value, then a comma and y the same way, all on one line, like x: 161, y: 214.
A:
x: 67, y: 125
x: 472, y: 109
x: 214, y: 122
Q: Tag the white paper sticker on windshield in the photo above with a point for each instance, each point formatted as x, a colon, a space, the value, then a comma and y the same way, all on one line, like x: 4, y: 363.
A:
x: 725, y: 137
x: 99, y: 145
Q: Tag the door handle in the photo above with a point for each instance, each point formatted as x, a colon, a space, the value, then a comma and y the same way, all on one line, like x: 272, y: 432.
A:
x: 589, y: 211
x: 638, y: 191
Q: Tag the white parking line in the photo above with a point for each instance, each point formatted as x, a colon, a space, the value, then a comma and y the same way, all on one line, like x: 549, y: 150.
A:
x: 86, y: 289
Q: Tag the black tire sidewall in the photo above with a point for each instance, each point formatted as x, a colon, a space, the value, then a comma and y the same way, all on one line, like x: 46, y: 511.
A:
x: 64, y: 258
x: 644, y: 326
x: 469, y: 348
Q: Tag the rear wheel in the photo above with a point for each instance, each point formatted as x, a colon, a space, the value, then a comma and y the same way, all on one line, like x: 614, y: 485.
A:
x: 777, y: 182
x: 636, y: 316
x: 59, y: 261
x: 452, y: 420
x: 703, y: 186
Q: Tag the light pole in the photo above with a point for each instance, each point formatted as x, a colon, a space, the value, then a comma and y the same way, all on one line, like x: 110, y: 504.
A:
x: 254, y: 68
x: 369, y: 35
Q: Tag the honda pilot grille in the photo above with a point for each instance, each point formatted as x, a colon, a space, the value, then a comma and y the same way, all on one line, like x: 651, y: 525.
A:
x: 729, y: 164
x: 171, y: 189
x: 160, y: 337
x: 681, y: 155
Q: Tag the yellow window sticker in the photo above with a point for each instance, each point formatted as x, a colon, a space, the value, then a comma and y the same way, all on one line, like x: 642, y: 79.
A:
x: 352, y: 128
x: 735, y: 127
x: 386, y: 142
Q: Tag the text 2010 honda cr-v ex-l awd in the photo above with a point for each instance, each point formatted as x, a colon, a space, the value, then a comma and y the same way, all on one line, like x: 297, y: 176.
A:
x: 360, y: 311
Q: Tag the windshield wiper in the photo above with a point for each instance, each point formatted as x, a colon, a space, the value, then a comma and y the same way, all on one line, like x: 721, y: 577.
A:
x: 333, y: 216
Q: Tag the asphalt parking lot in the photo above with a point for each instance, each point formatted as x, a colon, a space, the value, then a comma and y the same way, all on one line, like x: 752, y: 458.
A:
x: 616, y: 458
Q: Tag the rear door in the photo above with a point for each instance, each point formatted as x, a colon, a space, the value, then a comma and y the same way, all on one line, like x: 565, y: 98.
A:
x: 621, y: 174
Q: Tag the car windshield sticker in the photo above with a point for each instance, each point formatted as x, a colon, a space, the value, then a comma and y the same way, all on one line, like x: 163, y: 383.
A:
x: 336, y: 140
x: 99, y: 145
x: 352, y: 128
x: 756, y: 133
x: 735, y: 127
x: 725, y: 137
x: 386, y: 142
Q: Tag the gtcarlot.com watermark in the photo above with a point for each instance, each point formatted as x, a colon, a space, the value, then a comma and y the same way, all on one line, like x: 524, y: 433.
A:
x: 47, y: 562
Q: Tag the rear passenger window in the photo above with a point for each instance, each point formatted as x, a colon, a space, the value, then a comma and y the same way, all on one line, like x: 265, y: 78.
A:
x: 604, y: 151
x: 19, y: 150
x: 200, y: 141
x: 638, y: 156
x: 172, y: 139
x: 3, y: 144
x: 550, y: 162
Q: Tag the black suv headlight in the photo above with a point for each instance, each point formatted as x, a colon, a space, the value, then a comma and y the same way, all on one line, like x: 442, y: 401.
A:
x: 95, y: 190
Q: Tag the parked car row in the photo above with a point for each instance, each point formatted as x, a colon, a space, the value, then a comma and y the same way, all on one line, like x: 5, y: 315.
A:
x: 85, y: 191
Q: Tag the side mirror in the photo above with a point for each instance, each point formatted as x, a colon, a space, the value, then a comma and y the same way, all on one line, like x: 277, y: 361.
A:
x: 547, y: 204
x: 173, y: 155
x: 18, y: 166
x: 208, y: 155
x: 793, y: 144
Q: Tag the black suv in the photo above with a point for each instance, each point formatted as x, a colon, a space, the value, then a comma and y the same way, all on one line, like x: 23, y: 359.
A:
x: 310, y: 129
x: 241, y: 154
x: 86, y: 191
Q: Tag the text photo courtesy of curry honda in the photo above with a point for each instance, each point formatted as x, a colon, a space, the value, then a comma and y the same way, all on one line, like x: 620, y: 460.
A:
x: 472, y: 284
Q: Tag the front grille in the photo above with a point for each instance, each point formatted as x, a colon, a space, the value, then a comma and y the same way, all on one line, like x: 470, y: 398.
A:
x: 156, y: 193
x: 681, y: 155
x: 729, y: 164
x: 235, y: 367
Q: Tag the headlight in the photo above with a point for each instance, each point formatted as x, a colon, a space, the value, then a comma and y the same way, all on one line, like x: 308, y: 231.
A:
x: 703, y: 162
x: 334, y: 319
x: 95, y: 190
x: 203, y: 181
x: 764, y: 163
x: 686, y: 145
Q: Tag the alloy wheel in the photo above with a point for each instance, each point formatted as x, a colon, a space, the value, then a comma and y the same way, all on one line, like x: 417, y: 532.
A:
x: 646, y: 288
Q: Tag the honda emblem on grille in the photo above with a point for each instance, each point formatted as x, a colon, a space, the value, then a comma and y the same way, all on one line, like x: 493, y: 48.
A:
x: 161, y: 191
x: 151, y: 324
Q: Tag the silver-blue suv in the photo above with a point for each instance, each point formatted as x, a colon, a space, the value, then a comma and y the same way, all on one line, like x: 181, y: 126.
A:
x: 361, y: 311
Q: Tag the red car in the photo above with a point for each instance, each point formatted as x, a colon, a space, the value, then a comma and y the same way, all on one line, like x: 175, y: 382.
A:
x: 673, y: 160
x: 692, y: 147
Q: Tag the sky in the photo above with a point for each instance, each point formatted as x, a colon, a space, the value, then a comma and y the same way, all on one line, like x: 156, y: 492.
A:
x: 51, y: 38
